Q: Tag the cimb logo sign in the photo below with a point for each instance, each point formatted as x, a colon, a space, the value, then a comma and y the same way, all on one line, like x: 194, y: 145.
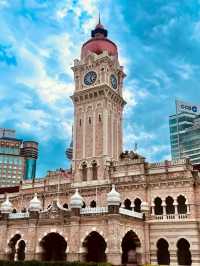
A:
x: 189, y: 108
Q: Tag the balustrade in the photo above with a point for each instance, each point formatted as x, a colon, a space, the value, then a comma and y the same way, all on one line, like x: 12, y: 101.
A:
x: 96, y: 210
x: 18, y: 215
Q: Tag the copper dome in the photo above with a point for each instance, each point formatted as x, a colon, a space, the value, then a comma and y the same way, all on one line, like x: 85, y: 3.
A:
x: 99, y: 43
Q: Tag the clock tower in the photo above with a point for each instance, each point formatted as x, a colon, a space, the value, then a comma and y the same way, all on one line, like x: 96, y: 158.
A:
x: 98, y: 107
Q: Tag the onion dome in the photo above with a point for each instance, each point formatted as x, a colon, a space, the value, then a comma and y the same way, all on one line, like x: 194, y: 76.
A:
x: 6, y: 206
x: 76, y: 200
x: 113, y: 197
x: 35, y: 204
x: 145, y: 206
x: 99, y: 42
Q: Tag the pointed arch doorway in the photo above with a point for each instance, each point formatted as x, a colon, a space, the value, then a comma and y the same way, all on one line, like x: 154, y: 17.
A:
x: 53, y: 247
x: 130, y: 244
x: 95, y: 247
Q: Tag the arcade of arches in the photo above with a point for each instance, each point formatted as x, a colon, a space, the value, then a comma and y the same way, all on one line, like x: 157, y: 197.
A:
x: 170, y: 205
x: 54, y: 249
x: 183, y: 252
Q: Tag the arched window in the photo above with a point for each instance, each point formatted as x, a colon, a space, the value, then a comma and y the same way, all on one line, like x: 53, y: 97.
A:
x: 158, y: 206
x: 127, y: 204
x: 183, y: 252
x: 182, y: 207
x: 93, y: 204
x: 94, y: 170
x: 65, y: 205
x: 163, y: 256
x: 170, y: 209
x: 137, y: 205
x: 83, y: 205
x: 84, y: 171
x: 14, y: 211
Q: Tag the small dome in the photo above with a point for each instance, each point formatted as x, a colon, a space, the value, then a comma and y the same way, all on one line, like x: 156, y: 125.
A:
x: 144, y: 206
x: 6, y: 206
x: 113, y: 197
x: 99, y: 26
x: 35, y: 204
x: 76, y: 200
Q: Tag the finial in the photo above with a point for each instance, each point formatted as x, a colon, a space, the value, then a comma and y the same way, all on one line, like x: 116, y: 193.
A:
x: 99, y: 18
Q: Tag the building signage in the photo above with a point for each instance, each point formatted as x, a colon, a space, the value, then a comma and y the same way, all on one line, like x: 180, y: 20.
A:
x: 187, y: 107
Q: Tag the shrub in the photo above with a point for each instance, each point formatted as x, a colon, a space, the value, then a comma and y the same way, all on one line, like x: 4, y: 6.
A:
x: 48, y: 263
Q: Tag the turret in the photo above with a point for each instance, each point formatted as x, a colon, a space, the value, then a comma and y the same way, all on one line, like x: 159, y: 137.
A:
x: 6, y: 206
x: 113, y: 200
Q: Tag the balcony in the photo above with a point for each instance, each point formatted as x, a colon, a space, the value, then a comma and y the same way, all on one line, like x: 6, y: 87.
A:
x: 170, y: 217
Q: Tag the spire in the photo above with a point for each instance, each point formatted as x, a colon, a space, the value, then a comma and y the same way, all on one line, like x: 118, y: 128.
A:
x: 99, y: 18
x: 99, y: 29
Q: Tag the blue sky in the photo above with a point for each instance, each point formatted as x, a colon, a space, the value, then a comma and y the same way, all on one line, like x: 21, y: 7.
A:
x: 159, y: 46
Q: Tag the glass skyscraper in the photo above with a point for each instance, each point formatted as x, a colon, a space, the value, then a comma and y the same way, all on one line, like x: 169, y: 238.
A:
x: 17, y: 159
x: 185, y: 132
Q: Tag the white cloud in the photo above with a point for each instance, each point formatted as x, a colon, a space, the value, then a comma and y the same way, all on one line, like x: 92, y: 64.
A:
x: 184, y: 69
x: 162, y: 76
x: 196, y: 31
x: 133, y: 93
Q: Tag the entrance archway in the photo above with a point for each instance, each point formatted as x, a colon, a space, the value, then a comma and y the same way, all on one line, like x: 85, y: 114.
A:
x: 12, y: 246
x: 54, y: 247
x: 183, y: 252
x: 95, y: 246
x: 163, y: 256
x: 129, y: 245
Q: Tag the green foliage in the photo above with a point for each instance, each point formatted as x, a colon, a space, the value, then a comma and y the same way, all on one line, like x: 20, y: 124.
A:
x: 48, y: 263
x: 150, y: 265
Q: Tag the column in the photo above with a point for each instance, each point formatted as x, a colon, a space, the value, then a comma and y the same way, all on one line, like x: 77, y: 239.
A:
x: 176, y: 208
x: 164, y: 209
x: 117, y: 137
x: 114, y: 243
x: 153, y: 209
x: 105, y: 132
x: 84, y: 130
x: 93, y: 133
x: 74, y: 240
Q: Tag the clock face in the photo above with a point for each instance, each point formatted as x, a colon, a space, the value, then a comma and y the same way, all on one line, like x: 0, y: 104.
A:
x: 113, y: 81
x: 90, y: 78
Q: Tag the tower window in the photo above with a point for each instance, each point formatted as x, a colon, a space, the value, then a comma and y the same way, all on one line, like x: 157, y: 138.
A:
x: 99, y: 118
x: 94, y: 170
x: 89, y: 120
x: 80, y: 122
x: 84, y: 171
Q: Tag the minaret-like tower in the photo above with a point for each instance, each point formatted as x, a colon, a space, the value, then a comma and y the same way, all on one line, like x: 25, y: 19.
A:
x: 98, y: 107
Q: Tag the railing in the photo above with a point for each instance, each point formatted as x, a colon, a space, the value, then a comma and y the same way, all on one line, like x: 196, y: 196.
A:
x: 95, y: 210
x: 18, y: 215
x: 131, y: 213
x: 180, y: 216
